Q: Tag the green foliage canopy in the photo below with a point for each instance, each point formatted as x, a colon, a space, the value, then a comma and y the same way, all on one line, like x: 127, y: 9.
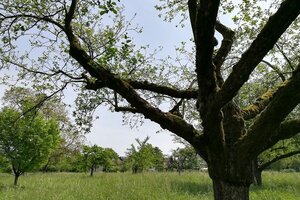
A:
x: 95, y: 156
x: 26, y: 141
x: 144, y: 156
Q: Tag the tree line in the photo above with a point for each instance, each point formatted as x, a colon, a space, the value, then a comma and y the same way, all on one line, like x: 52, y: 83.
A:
x: 42, y: 138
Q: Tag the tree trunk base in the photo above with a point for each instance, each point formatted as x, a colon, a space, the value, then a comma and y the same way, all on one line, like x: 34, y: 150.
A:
x: 16, y: 180
x: 229, y: 191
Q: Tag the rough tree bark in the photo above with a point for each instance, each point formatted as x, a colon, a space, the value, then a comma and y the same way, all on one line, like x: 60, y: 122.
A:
x: 226, y: 190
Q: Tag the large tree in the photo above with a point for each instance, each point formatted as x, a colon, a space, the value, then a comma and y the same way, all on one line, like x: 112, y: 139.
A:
x: 76, y: 42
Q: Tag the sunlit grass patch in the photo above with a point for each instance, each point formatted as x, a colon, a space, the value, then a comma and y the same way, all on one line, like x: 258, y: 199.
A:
x: 147, y: 186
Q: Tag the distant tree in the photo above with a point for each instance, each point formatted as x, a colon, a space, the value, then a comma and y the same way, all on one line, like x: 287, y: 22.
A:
x: 144, y: 156
x: 158, y: 162
x: 184, y: 159
x: 93, y: 156
x: 111, y: 159
x: 26, y: 140
x: 282, y: 150
x: 68, y: 151
x: 72, y: 161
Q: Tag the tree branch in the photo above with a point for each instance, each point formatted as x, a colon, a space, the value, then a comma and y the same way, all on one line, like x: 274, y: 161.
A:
x: 287, y: 129
x: 126, y: 109
x: 261, y: 103
x: 192, y: 4
x: 167, y: 121
x: 145, y: 85
x: 228, y: 36
x: 277, y: 158
x: 275, y: 27
x: 172, y: 92
x: 269, y: 121
x: 285, y: 57
x: 205, y: 29
x: 41, y: 102
x: 280, y: 74
x: 39, y: 18
x: 70, y: 14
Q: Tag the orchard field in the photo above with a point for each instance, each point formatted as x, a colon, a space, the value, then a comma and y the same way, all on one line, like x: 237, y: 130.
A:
x: 146, y: 186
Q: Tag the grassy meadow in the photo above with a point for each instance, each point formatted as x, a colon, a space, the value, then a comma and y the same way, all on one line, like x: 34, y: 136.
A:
x: 147, y: 186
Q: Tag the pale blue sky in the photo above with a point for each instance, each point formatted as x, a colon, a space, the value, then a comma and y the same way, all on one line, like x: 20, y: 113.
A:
x: 108, y: 130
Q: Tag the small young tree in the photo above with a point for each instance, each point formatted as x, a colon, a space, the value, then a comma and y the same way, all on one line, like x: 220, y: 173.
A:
x: 158, y: 162
x: 92, y: 157
x: 144, y: 156
x: 111, y: 159
x: 185, y: 158
x: 26, y: 140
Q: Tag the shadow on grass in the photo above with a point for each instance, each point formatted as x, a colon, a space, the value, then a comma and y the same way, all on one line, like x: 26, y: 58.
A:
x: 192, y: 188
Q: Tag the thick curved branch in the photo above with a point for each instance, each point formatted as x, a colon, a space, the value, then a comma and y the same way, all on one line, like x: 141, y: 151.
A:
x: 126, y: 109
x: 160, y: 89
x: 261, y: 103
x: 277, y: 158
x: 286, y: 130
x: 167, y: 121
x: 275, y: 27
x: 205, y: 29
x: 145, y: 85
x: 228, y: 37
x: 269, y: 121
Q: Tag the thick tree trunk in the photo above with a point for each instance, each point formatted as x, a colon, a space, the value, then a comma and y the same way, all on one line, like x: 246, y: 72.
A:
x: 228, y: 191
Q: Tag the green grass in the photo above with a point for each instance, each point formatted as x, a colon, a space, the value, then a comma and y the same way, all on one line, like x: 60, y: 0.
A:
x: 148, y: 186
